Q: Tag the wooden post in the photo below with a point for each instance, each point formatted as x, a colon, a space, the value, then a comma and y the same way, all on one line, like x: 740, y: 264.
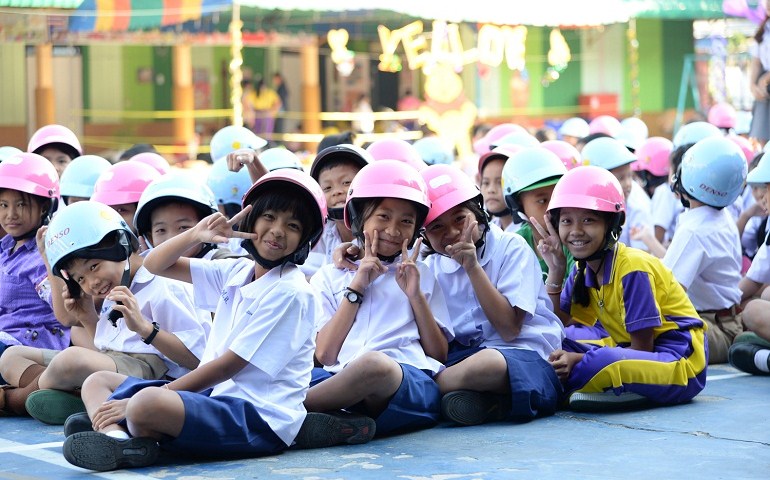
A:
x: 183, y: 95
x: 45, y: 105
x: 311, y: 91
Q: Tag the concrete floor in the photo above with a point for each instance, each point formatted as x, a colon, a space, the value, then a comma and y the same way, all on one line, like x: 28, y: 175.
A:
x: 723, y: 433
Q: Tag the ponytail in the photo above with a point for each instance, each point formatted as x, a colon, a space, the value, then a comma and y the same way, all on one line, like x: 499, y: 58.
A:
x: 579, y: 289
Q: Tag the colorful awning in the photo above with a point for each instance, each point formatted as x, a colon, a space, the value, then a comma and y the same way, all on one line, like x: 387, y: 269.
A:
x: 123, y: 15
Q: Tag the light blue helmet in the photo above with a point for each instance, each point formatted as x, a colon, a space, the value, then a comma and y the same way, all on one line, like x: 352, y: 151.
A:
x: 574, y: 127
x: 607, y: 153
x: 232, y: 138
x: 76, y: 229
x: 761, y: 173
x: 633, y: 132
x: 8, y: 152
x: 434, y: 151
x: 529, y: 169
x: 521, y: 139
x: 278, y: 158
x: 173, y: 187
x: 80, y: 176
x: 713, y: 171
x: 228, y: 187
x: 694, y: 132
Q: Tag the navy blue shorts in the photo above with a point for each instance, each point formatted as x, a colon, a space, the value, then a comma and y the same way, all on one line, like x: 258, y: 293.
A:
x: 535, y: 388
x: 219, y: 426
x: 415, y: 405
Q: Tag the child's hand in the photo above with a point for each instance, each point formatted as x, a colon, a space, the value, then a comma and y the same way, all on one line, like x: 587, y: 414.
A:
x: 109, y: 413
x: 344, y: 256
x: 132, y: 314
x: 370, y: 267
x: 143, y: 247
x: 464, y: 251
x: 240, y: 158
x: 563, y: 361
x: 216, y: 228
x: 756, y: 210
x: 408, y: 275
x: 40, y: 241
x: 82, y: 308
x: 550, y: 246
x: 640, y: 233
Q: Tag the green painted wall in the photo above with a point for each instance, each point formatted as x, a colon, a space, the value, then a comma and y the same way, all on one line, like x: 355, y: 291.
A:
x: 677, y: 36
x: 564, y: 91
x: 163, y: 81
x: 105, y: 80
x: 254, y: 60
x: 220, y: 95
x: 138, y: 93
x: 536, y: 50
x: 651, y: 81
x: 13, y: 84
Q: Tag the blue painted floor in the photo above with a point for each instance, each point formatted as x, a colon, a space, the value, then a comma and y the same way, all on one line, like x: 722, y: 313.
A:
x: 723, y: 433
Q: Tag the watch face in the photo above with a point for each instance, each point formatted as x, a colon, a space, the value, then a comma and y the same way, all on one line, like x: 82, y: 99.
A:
x: 352, y: 297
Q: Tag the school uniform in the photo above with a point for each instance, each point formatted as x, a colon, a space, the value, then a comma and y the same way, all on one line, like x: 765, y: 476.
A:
x: 638, y: 292
x: 637, y: 215
x: 744, y: 201
x: 26, y: 314
x: 514, y: 225
x: 512, y: 268
x: 665, y: 208
x: 323, y: 251
x: 162, y: 300
x: 705, y: 257
x: 759, y: 271
x: 754, y: 234
x: 385, y: 323
x: 270, y: 323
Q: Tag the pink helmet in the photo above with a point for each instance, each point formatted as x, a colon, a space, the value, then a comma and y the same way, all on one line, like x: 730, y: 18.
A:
x: 154, y: 160
x: 653, y: 156
x: 55, y: 134
x: 588, y: 187
x: 494, y: 134
x: 308, y: 185
x: 388, y: 179
x: 396, y: 149
x: 745, y: 145
x: 605, y: 124
x: 568, y: 154
x: 123, y: 182
x: 722, y: 115
x: 30, y: 173
x: 448, y: 186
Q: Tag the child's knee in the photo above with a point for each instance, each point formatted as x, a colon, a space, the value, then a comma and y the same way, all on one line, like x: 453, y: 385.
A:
x: 376, y: 366
x: 756, y: 314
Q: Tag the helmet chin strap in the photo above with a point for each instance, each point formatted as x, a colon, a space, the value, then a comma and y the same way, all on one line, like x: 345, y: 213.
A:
x: 262, y: 261
x: 337, y: 213
x: 125, y: 281
x: 502, y: 213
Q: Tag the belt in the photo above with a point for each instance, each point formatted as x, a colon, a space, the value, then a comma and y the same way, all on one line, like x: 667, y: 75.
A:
x: 726, y: 312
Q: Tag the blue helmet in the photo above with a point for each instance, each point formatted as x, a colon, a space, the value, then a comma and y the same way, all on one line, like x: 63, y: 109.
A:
x: 76, y: 229
x: 228, y: 187
x: 169, y: 188
x: 8, y: 152
x: 694, y: 132
x: 232, y: 138
x: 80, y: 176
x: 760, y: 175
x: 434, y: 151
x: 278, y: 158
x: 529, y: 169
x: 607, y: 153
x: 713, y: 171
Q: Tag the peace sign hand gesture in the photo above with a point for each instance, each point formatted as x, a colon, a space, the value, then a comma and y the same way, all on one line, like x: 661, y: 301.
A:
x: 407, y: 274
x: 464, y: 251
x: 216, y: 228
x: 370, y: 266
x: 550, y: 246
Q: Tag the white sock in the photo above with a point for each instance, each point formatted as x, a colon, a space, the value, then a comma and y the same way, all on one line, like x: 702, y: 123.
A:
x: 760, y: 360
x: 119, y: 434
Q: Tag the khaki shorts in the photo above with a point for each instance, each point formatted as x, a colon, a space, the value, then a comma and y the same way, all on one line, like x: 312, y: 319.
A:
x: 721, y: 331
x: 146, y: 366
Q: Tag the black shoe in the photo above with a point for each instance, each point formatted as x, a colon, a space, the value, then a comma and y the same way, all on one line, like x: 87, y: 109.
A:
x: 321, y: 430
x: 76, y: 423
x: 741, y: 356
x: 100, y: 452
x: 467, y: 407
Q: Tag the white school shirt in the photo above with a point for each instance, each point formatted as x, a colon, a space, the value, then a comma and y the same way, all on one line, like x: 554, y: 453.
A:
x: 163, y: 300
x: 759, y: 271
x: 322, y: 252
x: 270, y: 323
x: 665, y: 209
x: 750, y: 234
x: 385, y: 320
x: 512, y: 228
x: 705, y: 257
x: 637, y: 215
x: 513, y: 269
x: 744, y: 201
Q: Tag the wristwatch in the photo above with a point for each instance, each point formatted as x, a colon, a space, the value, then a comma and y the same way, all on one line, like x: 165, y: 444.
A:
x: 354, y: 296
